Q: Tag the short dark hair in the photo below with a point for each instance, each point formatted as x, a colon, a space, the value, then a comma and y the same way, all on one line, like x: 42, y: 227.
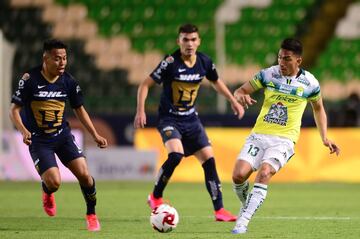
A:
x: 53, y: 44
x: 188, y: 28
x: 293, y: 45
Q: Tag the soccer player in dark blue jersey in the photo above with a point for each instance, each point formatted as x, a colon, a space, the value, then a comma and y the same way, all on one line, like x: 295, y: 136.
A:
x: 42, y: 93
x: 181, y: 130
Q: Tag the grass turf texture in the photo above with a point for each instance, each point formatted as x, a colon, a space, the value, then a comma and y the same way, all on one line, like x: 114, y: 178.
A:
x: 318, y: 210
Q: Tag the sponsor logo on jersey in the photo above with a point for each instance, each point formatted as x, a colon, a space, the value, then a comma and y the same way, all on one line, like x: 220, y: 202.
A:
x: 284, y: 98
x: 52, y: 94
x: 41, y: 86
x: 277, y: 114
x: 276, y: 75
x: 189, y: 77
x: 270, y: 84
x: 24, y: 78
x: 182, y: 69
x: 303, y: 81
x: 162, y: 66
x: 285, y: 88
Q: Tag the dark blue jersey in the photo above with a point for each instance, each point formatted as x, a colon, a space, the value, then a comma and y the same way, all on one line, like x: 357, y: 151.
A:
x: 181, y: 83
x: 44, y: 102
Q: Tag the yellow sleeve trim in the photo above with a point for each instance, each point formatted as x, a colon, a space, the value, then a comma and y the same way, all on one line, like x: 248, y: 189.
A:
x: 256, y: 84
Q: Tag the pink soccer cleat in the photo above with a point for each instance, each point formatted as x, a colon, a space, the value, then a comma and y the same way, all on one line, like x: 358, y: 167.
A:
x: 222, y: 215
x: 49, y: 204
x: 154, y: 202
x: 92, y: 223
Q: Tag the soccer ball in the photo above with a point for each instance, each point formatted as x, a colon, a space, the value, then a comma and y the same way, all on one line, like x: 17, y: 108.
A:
x: 164, y: 218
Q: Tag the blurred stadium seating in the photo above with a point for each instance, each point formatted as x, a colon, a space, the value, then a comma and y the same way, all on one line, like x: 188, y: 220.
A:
x: 114, y: 44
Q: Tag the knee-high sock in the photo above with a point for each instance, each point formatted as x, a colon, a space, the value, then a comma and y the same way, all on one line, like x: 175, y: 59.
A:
x: 89, y: 194
x: 253, y: 202
x: 241, y: 191
x: 213, y: 184
x: 165, y: 173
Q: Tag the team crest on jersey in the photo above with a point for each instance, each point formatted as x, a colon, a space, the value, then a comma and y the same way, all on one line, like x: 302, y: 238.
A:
x: 277, y: 114
x: 300, y: 91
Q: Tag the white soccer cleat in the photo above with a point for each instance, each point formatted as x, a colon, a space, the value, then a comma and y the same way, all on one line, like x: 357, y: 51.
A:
x: 239, y: 229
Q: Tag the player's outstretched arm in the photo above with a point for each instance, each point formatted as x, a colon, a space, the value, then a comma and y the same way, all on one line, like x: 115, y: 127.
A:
x: 220, y: 87
x: 17, y: 121
x: 140, y: 117
x: 321, y: 123
x: 84, y: 118
x: 242, y: 95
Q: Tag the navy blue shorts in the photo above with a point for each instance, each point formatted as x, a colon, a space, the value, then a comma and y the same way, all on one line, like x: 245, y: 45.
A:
x: 190, y: 131
x: 43, y: 150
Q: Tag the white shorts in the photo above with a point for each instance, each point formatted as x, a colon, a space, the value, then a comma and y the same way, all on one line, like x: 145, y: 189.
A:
x: 265, y: 148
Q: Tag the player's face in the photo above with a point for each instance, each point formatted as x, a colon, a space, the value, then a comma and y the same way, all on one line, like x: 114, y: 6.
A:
x: 188, y: 43
x: 289, y: 62
x: 55, y: 61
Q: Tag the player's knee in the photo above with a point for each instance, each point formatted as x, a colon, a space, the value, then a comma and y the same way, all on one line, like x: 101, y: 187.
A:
x: 53, y: 184
x: 264, y: 175
x: 238, y: 178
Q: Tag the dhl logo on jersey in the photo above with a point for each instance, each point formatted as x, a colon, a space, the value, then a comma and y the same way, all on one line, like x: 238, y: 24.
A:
x: 189, y: 77
x: 50, y: 94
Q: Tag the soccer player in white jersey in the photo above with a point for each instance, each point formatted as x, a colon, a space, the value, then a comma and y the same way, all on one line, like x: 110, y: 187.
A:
x: 270, y: 145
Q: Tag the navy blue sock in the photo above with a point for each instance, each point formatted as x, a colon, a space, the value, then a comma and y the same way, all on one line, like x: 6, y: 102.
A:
x: 89, y: 194
x: 213, y: 184
x: 165, y: 173
x: 45, y: 189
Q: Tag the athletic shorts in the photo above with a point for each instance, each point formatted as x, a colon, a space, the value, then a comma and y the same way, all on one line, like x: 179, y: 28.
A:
x: 43, y: 150
x: 263, y: 148
x: 190, y: 131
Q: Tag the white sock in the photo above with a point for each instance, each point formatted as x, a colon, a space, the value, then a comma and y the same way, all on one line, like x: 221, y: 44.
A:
x: 253, y: 202
x: 241, y: 191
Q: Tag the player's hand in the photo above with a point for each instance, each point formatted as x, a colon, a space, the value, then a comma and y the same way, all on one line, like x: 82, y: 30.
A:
x: 238, y: 109
x: 244, y: 99
x: 140, y: 120
x: 101, y: 141
x: 332, y: 146
x: 26, y: 137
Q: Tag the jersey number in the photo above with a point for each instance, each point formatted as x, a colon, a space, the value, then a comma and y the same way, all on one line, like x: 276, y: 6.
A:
x: 253, y: 150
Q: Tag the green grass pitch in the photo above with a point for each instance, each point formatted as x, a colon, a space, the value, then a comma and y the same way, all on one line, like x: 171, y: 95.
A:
x: 317, y: 210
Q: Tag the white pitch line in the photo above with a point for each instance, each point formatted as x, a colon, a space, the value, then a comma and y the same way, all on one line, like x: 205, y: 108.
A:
x: 304, y: 218
x: 287, y: 218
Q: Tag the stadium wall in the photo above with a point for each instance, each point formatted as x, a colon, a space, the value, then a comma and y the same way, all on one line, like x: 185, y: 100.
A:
x: 311, y: 162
